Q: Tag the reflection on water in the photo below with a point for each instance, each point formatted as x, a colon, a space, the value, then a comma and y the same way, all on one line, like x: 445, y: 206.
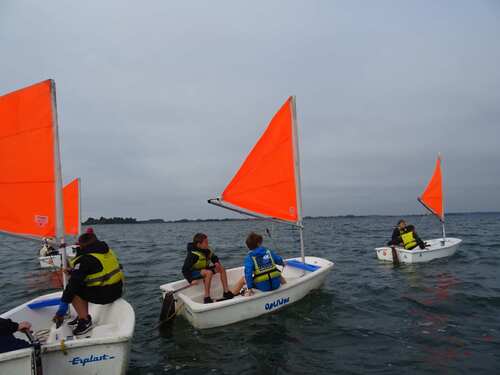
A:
x: 44, y: 279
x: 432, y: 325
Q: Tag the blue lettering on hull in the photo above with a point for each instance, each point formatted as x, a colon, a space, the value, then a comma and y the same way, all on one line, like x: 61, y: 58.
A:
x: 82, y: 361
x: 277, y: 303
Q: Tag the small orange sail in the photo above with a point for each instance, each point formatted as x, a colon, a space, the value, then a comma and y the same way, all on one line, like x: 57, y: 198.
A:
x: 27, y: 162
x: 71, y: 198
x: 266, y: 183
x: 432, y: 197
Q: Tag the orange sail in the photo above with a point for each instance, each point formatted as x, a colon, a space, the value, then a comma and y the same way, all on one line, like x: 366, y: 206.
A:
x: 27, y: 162
x: 267, y: 182
x: 432, y: 197
x: 71, y: 198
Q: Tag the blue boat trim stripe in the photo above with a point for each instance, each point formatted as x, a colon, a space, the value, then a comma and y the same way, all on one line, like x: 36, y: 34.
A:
x: 302, y: 266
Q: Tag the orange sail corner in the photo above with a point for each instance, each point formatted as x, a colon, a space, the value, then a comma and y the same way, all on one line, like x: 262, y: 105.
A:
x: 432, y: 197
x: 266, y: 183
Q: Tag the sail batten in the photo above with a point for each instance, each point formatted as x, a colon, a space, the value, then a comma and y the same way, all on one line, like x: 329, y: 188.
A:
x: 266, y: 182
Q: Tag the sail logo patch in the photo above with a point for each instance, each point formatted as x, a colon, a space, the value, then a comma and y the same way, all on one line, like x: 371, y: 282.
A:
x: 82, y: 361
x: 277, y: 303
x: 41, y: 220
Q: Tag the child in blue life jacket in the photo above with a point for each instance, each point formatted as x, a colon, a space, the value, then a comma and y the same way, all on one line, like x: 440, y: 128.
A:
x: 261, y: 271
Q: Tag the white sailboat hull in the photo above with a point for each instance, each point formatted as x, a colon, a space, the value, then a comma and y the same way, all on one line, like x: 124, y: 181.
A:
x: 189, y: 302
x: 436, y: 250
x: 17, y: 362
x: 55, y: 261
x: 103, y: 350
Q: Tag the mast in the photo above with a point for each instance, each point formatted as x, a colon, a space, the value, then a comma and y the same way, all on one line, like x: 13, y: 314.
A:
x: 60, y: 237
x: 298, y: 185
x: 79, y: 207
x: 442, y: 203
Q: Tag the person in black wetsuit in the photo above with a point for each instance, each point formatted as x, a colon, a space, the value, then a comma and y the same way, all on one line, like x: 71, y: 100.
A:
x: 202, y: 263
x: 95, y: 276
x: 7, y: 340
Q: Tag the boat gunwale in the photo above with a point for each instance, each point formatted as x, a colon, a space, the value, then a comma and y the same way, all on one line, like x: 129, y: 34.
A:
x: 15, y: 354
x: 84, y: 342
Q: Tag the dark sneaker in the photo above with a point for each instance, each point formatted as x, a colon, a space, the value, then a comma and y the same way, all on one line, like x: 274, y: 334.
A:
x: 74, y: 322
x: 228, y: 295
x: 83, y: 326
x: 207, y: 300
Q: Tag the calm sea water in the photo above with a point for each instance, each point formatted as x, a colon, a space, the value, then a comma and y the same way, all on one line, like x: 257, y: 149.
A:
x: 441, y: 317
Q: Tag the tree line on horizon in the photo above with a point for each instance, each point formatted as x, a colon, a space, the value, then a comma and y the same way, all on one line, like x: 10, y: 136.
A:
x: 133, y: 220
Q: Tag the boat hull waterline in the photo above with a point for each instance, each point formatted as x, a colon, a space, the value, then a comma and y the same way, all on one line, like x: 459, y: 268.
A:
x: 299, y: 283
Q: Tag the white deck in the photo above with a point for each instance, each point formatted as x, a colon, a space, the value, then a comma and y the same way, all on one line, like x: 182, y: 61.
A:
x: 103, y: 350
x: 436, y: 250
x: 189, y: 302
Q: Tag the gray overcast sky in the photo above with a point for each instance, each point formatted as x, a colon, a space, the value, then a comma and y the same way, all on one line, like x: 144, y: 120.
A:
x: 160, y: 101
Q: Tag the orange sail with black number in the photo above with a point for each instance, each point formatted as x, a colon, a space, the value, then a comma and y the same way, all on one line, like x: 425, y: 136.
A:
x: 71, y: 198
x: 432, y: 197
x: 267, y: 182
x: 27, y: 162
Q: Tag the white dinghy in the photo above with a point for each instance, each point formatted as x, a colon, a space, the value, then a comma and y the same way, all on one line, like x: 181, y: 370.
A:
x: 267, y: 186
x: 103, y: 350
x: 50, y: 256
x: 32, y: 195
x: 435, y: 250
x: 53, y: 259
x: 432, y: 200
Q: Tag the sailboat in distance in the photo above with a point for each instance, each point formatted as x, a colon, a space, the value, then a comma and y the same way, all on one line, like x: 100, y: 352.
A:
x: 32, y: 205
x: 432, y: 199
x: 267, y: 186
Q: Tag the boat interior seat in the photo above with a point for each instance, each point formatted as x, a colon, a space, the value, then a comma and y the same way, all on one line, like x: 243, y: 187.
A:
x: 103, y: 330
x: 65, y: 332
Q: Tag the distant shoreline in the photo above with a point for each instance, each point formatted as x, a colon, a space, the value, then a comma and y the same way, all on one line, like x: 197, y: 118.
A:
x: 131, y: 220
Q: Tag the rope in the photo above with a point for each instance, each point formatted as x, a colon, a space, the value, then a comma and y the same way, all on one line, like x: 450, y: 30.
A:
x: 172, y: 315
x: 42, y: 335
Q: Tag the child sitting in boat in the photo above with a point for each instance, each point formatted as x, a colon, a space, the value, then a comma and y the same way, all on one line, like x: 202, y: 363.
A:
x: 397, y: 232
x: 406, y: 236
x: 260, y: 267
x: 48, y: 248
x: 202, y: 263
x: 95, y: 276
